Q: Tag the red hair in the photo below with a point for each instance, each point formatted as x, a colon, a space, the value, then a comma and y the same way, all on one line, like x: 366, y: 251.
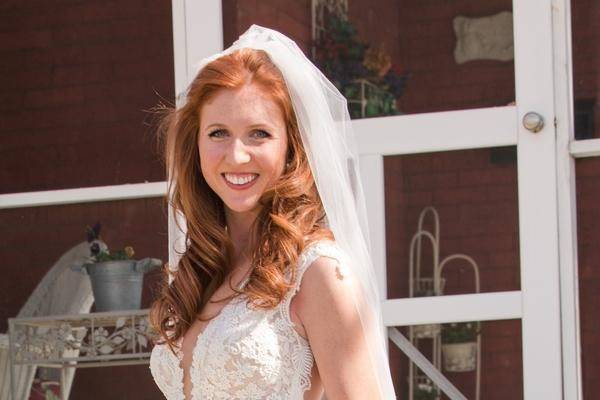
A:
x: 291, y: 217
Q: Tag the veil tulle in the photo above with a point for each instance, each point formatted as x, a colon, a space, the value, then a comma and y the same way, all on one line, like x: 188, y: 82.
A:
x: 328, y: 140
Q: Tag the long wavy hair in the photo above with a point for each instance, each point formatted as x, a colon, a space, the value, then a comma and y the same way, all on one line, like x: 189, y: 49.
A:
x: 291, y: 217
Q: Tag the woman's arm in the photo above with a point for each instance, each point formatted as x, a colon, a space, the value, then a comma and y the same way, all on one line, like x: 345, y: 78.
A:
x: 325, y: 307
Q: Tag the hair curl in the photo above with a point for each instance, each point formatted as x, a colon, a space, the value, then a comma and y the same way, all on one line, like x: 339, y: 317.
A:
x: 292, y: 214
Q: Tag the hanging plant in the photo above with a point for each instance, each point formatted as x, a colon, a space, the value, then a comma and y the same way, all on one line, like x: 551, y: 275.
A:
x: 459, y: 346
x: 364, y: 74
x: 426, y: 390
x: 461, y: 332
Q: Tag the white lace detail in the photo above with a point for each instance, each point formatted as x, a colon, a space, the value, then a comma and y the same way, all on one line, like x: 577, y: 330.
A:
x: 246, y: 353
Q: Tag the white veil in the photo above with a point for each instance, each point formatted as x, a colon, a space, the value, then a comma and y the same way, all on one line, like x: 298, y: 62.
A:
x: 327, y: 136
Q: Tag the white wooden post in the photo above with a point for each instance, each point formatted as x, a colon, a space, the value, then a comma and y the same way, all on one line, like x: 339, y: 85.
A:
x: 372, y: 179
x: 567, y: 202
x: 538, y: 203
x: 197, y: 33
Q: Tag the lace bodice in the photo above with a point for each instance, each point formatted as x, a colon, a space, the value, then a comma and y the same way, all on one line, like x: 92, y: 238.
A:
x: 245, y: 353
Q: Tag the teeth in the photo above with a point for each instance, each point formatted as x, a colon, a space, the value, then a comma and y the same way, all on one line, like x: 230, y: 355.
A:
x: 240, y: 179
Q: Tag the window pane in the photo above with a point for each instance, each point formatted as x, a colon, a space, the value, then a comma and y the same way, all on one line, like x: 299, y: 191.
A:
x: 588, y: 232
x: 33, y: 240
x: 75, y: 85
x: 473, y: 196
x: 453, y: 349
x: 586, y: 68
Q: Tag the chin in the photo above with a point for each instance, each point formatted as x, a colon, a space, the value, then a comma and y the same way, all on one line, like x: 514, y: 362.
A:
x: 242, y: 207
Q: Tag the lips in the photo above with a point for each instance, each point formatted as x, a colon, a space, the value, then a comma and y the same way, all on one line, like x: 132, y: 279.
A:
x: 239, y: 181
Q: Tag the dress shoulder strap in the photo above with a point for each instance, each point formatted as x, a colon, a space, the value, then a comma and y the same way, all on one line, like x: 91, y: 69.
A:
x: 323, y: 248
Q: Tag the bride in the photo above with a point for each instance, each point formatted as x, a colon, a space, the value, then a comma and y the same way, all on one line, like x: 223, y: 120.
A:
x: 274, y: 295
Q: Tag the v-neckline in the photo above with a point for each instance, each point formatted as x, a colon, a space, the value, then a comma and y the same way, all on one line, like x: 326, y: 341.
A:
x: 210, y: 322
x: 199, y: 337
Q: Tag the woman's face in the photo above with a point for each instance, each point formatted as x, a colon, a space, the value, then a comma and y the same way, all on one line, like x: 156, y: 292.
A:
x: 243, y: 145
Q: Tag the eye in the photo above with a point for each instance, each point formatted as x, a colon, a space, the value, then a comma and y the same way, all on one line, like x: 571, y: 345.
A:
x: 218, y: 133
x: 262, y: 134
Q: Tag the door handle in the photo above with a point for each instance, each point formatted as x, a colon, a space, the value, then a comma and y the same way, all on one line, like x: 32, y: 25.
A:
x: 533, y: 122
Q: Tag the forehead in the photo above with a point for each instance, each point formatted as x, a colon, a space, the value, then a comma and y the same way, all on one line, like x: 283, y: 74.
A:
x: 247, y: 105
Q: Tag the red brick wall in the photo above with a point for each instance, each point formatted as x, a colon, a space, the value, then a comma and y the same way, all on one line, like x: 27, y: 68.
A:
x: 588, y: 232
x: 75, y: 80
x: 378, y: 23
x: 426, y: 42
x: 292, y: 17
x: 586, y: 85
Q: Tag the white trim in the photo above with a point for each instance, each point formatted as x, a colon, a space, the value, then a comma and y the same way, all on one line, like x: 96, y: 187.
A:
x: 585, y: 148
x: 180, y: 62
x: 83, y: 195
x: 538, y: 208
x: 441, y: 131
x: 197, y: 33
x: 567, y: 200
x: 200, y: 37
x: 452, y: 308
x: 372, y: 180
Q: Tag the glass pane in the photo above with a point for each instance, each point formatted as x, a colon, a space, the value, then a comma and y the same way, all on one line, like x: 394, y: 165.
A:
x: 588, y: 232
x: 586, y: 68
x: 473, y: 196
x: 34, y: 241
x: 454, y: 350
x: 399, y: 57
x: 77, y: 80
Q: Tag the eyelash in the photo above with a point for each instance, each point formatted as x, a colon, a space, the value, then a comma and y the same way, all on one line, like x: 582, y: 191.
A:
x: 216, y: 132
x: 265, y: 132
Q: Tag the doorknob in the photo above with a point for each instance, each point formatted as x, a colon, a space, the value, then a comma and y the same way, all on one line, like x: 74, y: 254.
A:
x: 533, y: 122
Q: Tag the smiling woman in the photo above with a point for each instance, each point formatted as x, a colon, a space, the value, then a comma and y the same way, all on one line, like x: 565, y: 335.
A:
x: 251, y: 207
x: 238, y: 320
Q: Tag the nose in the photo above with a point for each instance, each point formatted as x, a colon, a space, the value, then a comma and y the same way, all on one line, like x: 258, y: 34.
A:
x: 238, y: 153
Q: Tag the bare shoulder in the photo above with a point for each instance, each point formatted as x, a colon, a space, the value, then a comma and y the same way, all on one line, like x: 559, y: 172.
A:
x: 325, y: 291
x: 333, y: 327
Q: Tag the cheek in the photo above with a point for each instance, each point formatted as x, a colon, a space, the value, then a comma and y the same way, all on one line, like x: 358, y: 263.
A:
x: 276, y: 157
x: 208, y: 161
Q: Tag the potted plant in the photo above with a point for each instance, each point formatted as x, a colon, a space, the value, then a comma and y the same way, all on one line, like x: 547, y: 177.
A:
x: 116, y: 277
x: 424, y: 389
x: 459, y: 346
x: 364, y: 74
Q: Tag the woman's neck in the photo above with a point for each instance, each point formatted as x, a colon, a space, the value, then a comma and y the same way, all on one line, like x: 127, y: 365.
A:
x: 239, y: 226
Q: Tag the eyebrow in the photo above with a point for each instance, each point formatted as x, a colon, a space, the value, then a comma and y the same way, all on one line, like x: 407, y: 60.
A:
x: 253, y: 126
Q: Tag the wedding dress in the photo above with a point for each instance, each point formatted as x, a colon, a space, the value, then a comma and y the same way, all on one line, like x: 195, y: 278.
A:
x: 246, y: 353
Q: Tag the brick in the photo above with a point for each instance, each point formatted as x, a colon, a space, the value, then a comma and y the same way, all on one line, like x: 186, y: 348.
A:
x: 459, y: 195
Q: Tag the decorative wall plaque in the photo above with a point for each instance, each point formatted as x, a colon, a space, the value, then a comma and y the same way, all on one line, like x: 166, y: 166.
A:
x: 485, y: 38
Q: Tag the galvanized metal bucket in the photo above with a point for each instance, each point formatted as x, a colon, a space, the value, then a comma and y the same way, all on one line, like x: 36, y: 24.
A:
x: 117, y: 285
